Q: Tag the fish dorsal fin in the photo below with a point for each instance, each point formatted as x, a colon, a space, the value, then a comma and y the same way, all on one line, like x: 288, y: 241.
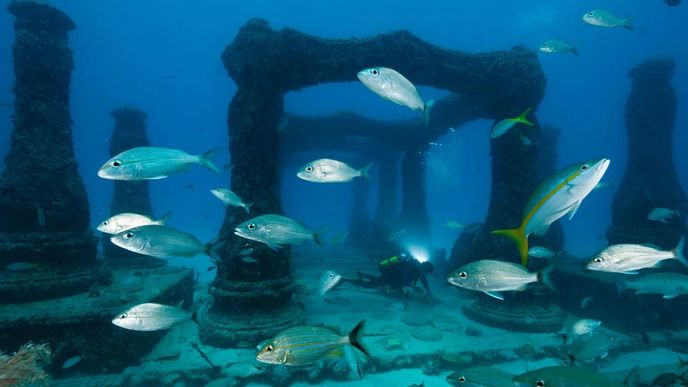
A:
x: 496, y: 295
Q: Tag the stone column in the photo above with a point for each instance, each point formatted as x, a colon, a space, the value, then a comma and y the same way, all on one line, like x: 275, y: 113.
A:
x: 385, y: 219
x: 129, y: 196
x: 44, y: 213
x: 252, y: 300
x: 650, y: 179
x: 414, y: 222
x: 359, y: 221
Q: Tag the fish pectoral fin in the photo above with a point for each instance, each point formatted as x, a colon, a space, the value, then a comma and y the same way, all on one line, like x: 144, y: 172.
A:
x: 496, y: 295
x: 337, y: 352
x: 285, y: 358
x: 573, y: 209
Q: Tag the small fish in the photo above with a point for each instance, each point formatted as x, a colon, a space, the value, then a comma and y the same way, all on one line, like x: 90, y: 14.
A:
x: 602, y: 18
x: 125, y: 221
x: 22, y: 266
x: 71, y: 362
x: 526, y: 140
x: 305, y: 345
x: 491, y: 277
x: 504, y: 125
x: 663, y: 214
x: 246, y: 251
x: 585, y: 301
x: 540, y: 252
x: 556, y: 46
x: 276, y: 230
x: 149, y: 163
x: 629, y: 258
x: 161, y: 242
x: 331, y: 171
x: 582, y: 327
x: 329, y: 280
x: 392, y: 86
x: 453, y: 224
x: 230, y: 198
x: 481, y: 377
x: 563, y: 376
x: 249, y: 259
x: 603, y: 185
x: 669, y: 284
x: 588, y: 349
x: 151, y: 317
x: 557, y: 196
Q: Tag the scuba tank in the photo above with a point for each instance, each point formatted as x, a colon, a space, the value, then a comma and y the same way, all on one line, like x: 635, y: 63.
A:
x: 393, y: 260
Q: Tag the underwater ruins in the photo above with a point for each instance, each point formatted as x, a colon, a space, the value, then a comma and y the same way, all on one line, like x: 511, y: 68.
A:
x: 59, y: 293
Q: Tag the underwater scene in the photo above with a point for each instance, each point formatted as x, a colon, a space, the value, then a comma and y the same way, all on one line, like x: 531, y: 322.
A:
x: 326, y: 193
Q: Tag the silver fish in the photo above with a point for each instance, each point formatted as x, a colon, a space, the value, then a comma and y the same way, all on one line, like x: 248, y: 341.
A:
x: 230, y: 198
x: 563, y: 376
x: 582, y: 327
x: 71, y: 362
x: 629, y: 258
x: 331, y: 171
x: 126, y: 220
x: 480, y: 377
x: 540, y: 252
x: 504, y: 125
x: 491, y: 277
x: 276, y: 230
x: 329, y: 280
x: 669, y: 285
x: 149, y: 163
x: 160, y: 242
x: 249, y: 259
x: 663, y: 214
x: 602, y: 18
x: 392, y: 86
x: 556, y: 46
x: 588, y: 349
x: 150, y: 317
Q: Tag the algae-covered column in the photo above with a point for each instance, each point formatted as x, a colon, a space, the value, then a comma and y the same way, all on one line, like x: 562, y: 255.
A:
x: 129, y: 196
x: 253, y: 300
x: 414, y: 221
x: 650, y: 179
x: 386, y: 212
x: 44, y: 214
x: 359, y: 221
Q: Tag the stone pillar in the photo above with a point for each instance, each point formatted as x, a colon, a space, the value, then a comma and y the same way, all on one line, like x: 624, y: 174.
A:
x: 385, y: 219
x: 359, y: 223
x: 650, y: 179
x: 414, y: 221
x: 44, y: 213
x: 252, y: 300
x: 129, y: 196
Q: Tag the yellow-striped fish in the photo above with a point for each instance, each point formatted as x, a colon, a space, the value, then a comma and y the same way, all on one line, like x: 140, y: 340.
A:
x: 304, y: 345
x: 557, y: 196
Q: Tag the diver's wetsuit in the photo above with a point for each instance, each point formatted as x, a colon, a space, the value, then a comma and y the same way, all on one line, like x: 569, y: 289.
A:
x: 404, y: 272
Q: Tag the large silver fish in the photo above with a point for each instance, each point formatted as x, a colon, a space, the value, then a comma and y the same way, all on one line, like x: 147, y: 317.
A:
x: 629, y: 258
x: 564, y: 376
x: 557, y: 196
x: 150, y: 317
x: 161, y: 242
x: 276, y: 231
x: 149, y: 163
x: 492, y: 277
x: 125, y: 221
x: 555, y: 46
x: 392, y: 86
x: 329, y: 280
x: 602, y: 18
x: 331, y: 171
x: 669, y: 285
x: 304, y: 345
x: 230, y: 198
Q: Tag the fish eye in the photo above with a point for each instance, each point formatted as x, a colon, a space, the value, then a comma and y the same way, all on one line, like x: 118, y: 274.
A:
x: 129, y: 235
x: 116, y: 163
x: 309, y: 168
x: 251, y: 226
x: 598, y: 260
x: 584, y: 167
x: 105, y: 223
x: 269, y: 348
x: 590, y: 14
x: 462, y: 379
x: 331, y: 275
x: 122, y: 316
x: 540, y: 383
x: 463, y: 274
x: 374, y: 71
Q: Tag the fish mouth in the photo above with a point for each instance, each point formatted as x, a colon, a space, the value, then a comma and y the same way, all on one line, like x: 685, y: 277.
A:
x: 241, y: 233
x: 102, y: 173
x: 602, y: 165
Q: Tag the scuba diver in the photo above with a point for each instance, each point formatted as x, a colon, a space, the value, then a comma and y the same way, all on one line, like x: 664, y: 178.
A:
x: 396, y: 272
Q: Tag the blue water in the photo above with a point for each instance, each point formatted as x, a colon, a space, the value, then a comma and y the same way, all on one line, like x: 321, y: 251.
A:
x: 164, y: 57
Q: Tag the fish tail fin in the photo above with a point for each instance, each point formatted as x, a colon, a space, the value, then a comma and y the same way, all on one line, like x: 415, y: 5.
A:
x: 518, y: 236
x: 574, y: 50
x: 426, y: 111
x: 571, y: 359
x: 318, y: 235
x: 678, y: 251
x: 247, y: 207
x: 543, y: 277
x: 163, y: 219
x: 523, y: 118
x: 213, y: 246
x: 365, y: 171
x: 205, y: 160
x: 682, y: 363
x: 628, y: 24
x: 355, y: 338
